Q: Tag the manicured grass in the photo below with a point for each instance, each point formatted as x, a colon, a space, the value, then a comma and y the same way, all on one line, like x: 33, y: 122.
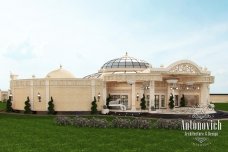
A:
x: 221, y: 106
x: 23, y: 133
x: 2, y: 105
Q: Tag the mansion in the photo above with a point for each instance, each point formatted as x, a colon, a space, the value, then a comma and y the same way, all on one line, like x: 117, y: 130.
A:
x: 124, y: 79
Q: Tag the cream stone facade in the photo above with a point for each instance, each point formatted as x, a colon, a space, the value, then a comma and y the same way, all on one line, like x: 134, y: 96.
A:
x: 4, y: 95
x: 219, y: 98
x: 125, y: 78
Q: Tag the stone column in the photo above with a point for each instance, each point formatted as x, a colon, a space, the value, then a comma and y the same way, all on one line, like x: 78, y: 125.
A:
x: 47, y: 89
x: 133, y: 96
x: 208, y: 94
x: 152, y: 88
x: 104, y: 93
x: 204, y: 94
x: 93, y: 89
x: 168, y: 95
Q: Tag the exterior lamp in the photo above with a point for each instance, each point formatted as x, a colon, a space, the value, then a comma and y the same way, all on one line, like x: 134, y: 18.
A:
x: 147, y: 87
x: 39, y: 97
x: 98, y: 96
x: 137, y: 96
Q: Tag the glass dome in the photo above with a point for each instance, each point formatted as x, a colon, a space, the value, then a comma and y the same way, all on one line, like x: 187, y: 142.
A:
x: 125, y: 63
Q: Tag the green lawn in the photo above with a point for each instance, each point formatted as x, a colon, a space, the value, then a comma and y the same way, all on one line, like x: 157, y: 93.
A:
x: 221, y: 106
x: 21, y: 133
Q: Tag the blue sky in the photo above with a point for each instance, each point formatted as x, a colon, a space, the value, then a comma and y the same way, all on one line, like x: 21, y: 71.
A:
x: 36, y: 36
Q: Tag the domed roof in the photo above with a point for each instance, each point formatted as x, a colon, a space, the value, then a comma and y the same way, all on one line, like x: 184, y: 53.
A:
x: 125, y: 63
x: 60, y: 73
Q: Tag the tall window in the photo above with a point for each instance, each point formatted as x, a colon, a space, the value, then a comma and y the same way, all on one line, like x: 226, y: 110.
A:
x: 162, y: 100
x: 176, y: 100
x: 156, y: 97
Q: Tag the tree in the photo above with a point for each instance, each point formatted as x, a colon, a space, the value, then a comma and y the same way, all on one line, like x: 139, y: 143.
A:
x: 94, y: 106
x: 182, y: 102
x: 171, y: 101
x: 108, y: 100
x: 51, y: 109
x: 9, y: 105
x: 143, y: 103
x: 27, y: 106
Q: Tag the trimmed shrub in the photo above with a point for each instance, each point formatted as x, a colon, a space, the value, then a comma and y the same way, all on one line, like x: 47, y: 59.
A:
x: 171, y: 102
x: 98, y: 123
x: 121, y: 123
x: 140, y: 123
x: 168, y: 123
x: 108, y: 99
x: 9, y: 105
x: 27, y: 106
x: 137, y: 123
x: 94, y: 106
x: 94, y: 122
x: 51, y: 105
x: 63, y: 121
x: 80, y: 122
x: 143, y: 102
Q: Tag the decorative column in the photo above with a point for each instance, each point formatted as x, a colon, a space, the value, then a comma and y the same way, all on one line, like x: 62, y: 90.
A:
x: 93, y: 89
x: 12, y: 78
x: 204, y: 93
x: 168, y: 95
x: 47, y: 89
x: 133, y: 96
x: 104, y: 93
x: 151, y: 101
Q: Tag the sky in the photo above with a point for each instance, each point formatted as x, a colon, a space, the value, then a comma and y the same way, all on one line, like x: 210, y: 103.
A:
x: 36, y: 36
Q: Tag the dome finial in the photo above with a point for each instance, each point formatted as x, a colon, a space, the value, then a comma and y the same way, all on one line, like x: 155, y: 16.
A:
x: 126, y: 54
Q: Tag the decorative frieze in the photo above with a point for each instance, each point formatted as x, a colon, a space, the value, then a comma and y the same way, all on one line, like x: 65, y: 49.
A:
x: 184, y: 68
x: 200, y: 79
x: 132, y: 77
x: 20, y: 83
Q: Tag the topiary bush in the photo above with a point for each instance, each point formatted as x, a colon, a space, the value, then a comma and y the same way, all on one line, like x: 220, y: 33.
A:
x: 51, y: 105
x: 9, y: 105
x: 108, y: 99
x: 94, y: 106
x: 27, y: 107
x: 171, y: 102
x: 143, y: 102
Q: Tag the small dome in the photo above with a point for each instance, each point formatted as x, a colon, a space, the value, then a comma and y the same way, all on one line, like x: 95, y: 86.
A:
x: 60, y: 73
x: 125, y: 63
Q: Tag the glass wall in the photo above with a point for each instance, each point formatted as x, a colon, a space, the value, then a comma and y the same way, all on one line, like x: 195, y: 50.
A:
x: 123, y: 99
